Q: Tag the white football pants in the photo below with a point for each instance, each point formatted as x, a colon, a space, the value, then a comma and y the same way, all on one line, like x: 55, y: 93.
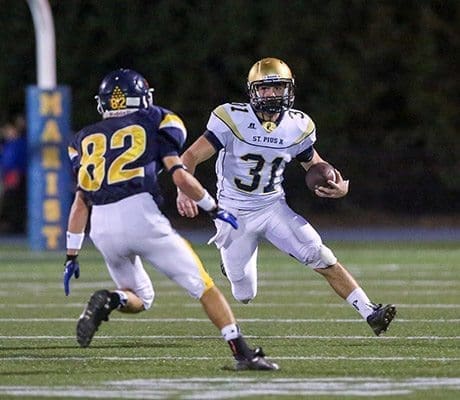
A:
x: 134, y: 228
x: 281, y: 226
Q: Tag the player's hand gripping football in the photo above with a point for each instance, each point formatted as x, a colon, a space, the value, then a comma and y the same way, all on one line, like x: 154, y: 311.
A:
x: 336, y: 189
x: 71, y: 267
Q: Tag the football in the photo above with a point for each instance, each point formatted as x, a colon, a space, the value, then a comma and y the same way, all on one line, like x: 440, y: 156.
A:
x: 318, y: 175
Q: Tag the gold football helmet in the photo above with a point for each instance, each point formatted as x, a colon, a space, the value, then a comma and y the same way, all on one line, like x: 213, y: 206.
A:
x: 270, y: 72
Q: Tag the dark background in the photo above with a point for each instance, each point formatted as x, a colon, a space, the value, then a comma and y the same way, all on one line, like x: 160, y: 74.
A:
x: 379, y: 78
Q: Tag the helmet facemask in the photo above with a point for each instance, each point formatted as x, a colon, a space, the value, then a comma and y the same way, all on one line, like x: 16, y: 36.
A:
x: 272, y: 104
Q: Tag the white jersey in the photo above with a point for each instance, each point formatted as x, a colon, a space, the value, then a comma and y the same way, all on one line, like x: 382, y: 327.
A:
x: 253, y: 157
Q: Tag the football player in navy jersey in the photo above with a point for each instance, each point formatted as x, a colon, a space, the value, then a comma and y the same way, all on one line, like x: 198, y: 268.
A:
x: 254, y: 142
x: 116, y: 162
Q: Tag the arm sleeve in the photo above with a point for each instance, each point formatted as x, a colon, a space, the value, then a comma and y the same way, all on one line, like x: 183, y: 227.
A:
x: 172, y: 135
x: 168, y: 146
x: 217, y: 127
x: 213, y: 139
x: 74, y: 155
x: 306, y: 155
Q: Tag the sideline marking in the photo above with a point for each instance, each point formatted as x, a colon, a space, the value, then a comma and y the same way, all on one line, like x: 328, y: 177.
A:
x: 234, y: 388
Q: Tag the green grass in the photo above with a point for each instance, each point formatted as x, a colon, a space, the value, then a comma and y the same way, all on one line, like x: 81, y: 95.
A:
x: 172, y: 352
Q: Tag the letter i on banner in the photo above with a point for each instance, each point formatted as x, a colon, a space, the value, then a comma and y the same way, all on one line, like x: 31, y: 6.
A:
x: 49, y: 175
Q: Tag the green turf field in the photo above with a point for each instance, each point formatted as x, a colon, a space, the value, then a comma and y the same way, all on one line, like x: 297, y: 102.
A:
x: 324, y: 349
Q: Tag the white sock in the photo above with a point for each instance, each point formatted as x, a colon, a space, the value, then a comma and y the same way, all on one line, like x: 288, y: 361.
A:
x: 123, y: 298
x: 359, y: 300
x: 230, y: 332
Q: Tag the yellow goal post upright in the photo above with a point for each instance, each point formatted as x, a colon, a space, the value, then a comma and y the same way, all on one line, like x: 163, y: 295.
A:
x: 48, y: 107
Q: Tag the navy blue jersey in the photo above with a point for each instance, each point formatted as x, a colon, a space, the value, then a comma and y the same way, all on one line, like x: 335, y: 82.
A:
x: 122, y: 156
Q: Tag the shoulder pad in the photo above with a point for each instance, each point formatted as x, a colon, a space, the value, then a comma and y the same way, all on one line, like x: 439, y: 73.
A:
x: 173, y: 126
x: 303, y: 122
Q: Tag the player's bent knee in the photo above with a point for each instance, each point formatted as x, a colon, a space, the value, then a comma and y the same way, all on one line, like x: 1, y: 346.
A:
x: 323, y: 258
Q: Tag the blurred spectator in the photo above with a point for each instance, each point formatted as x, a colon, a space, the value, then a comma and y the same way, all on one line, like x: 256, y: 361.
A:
x: 13, y: 169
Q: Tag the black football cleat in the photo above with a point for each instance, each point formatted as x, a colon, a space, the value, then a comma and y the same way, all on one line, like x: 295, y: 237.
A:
x: 96, y: 311
x: 381, y: 318
x: 258, y: 362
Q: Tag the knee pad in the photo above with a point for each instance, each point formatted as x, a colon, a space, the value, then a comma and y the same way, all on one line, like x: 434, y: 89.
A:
x: 324, y: 258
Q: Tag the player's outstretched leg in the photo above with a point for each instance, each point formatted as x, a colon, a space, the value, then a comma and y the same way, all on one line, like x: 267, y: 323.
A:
x: 96, y: 311
x: 381, y: 318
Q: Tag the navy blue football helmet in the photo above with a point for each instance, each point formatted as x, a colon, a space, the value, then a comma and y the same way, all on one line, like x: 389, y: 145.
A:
x: 123, y: 91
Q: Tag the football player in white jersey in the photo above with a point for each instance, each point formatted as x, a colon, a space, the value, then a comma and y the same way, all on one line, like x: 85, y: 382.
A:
x: 254, y: 142
x: 116, y: 162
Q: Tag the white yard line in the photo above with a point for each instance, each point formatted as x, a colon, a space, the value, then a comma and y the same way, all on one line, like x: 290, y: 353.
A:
x: 262, y: 320
x: 197, y: 358
x: 260, y: 304
x: 263, y: 281
x: 238, y: 388
x: 187, y: 337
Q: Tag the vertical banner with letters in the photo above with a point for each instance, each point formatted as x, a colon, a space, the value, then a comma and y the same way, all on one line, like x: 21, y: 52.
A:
x: 49, y: 175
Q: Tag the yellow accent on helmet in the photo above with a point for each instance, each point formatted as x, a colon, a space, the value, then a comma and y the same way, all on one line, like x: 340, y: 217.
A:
x: 118, y: 99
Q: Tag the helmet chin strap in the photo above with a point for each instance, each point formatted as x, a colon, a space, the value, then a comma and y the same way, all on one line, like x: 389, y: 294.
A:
x: 150, y: 97
x: 268, y: 117
x: 99, y: 108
